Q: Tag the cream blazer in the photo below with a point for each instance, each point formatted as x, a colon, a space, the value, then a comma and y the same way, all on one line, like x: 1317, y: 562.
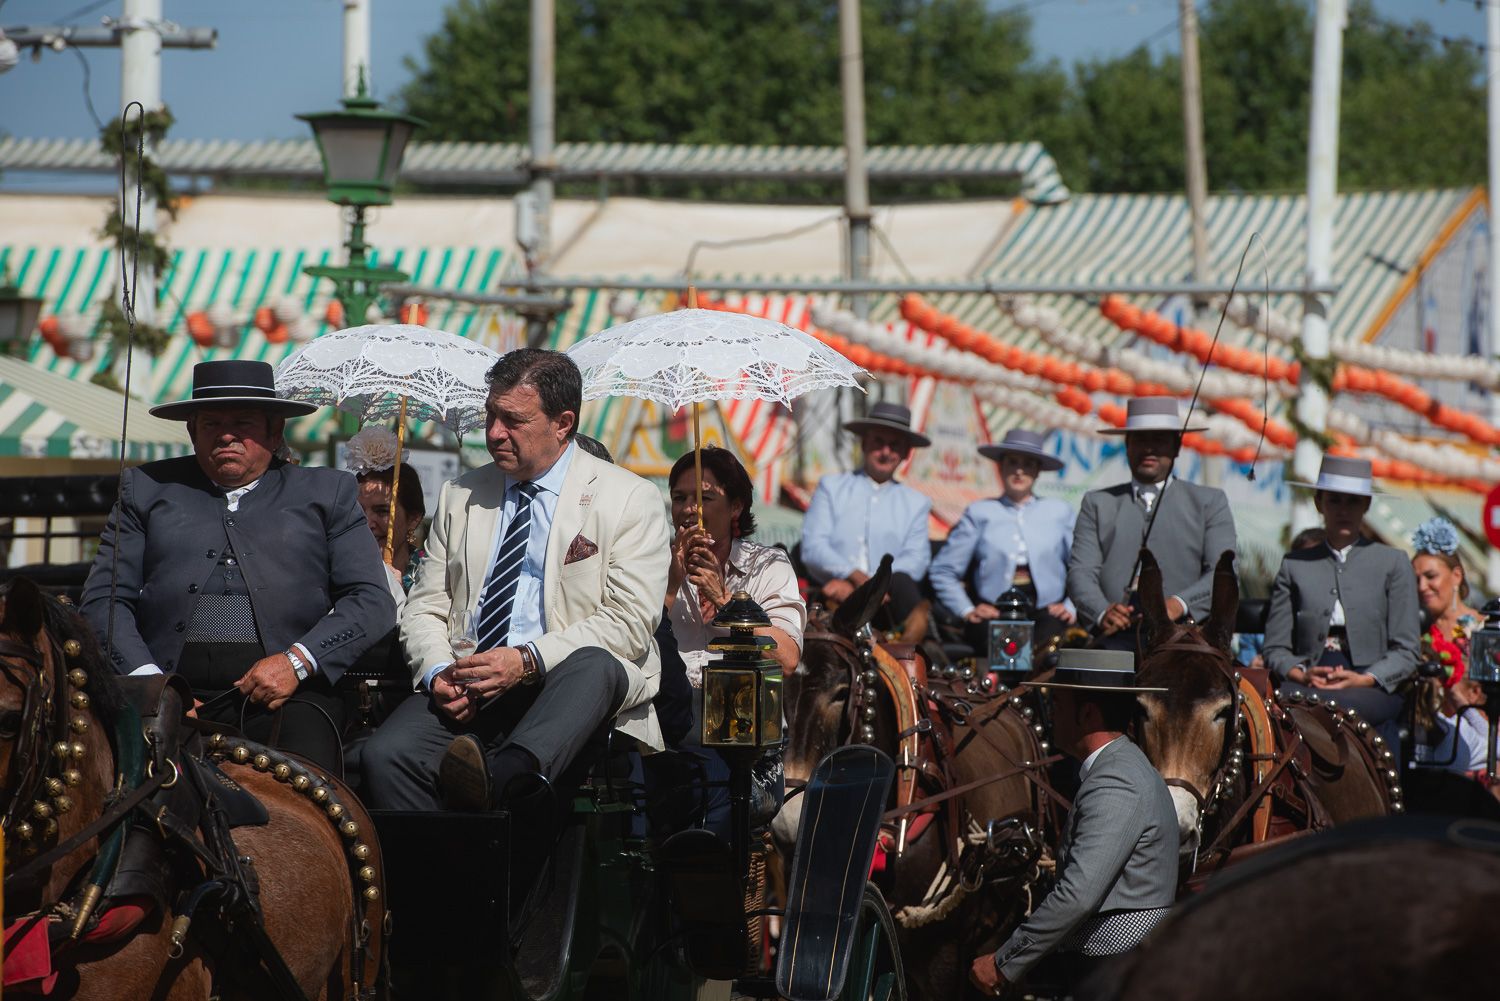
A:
x: 611, y: 599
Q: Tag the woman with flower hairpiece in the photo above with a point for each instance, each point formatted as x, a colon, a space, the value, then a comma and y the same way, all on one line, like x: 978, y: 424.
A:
x: 1451, y: 712
x: 372, y: 460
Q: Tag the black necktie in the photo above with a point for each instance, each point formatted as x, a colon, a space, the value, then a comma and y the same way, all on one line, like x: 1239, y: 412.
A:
x: 499, y: 594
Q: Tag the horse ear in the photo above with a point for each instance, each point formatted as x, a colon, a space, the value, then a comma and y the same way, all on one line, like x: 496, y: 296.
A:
x: 857, y: 611
x: 1157, y: 622
x: 1219, y: 629
x: 25, y: 609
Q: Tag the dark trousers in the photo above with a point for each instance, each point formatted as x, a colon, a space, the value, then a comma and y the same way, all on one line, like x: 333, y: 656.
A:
x: 311, y: 723
x: 552, y: 721
x: 905, y: 594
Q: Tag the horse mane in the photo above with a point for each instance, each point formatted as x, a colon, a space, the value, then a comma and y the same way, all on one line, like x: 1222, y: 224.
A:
x: 63, y: 623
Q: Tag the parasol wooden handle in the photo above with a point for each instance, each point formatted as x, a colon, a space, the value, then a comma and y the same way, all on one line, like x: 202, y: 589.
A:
x: 390, y: 519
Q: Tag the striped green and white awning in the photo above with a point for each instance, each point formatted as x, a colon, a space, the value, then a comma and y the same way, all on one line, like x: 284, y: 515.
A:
x: 46, y: 415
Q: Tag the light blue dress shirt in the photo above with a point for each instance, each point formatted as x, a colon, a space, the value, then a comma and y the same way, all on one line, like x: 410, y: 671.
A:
x: 527, y: 621
x: 853, y: 521
x: 1001, y: 533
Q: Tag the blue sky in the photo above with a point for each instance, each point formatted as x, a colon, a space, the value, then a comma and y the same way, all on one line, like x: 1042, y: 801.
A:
x: 279, y: 57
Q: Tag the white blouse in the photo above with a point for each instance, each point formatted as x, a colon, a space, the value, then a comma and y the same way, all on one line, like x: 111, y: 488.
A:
x: 766, y: 573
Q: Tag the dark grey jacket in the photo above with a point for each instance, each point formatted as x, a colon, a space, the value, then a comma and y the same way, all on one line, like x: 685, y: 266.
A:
x: 1381, y: 615
x: 313, y: 568
x: 1118, y: 853
x: 1192, y: 530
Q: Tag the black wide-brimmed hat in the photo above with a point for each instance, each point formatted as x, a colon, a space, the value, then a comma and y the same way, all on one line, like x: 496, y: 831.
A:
x: 233, y: 383
x: 1018, y: 441
x: 1096, y: 670
x: 1342, y: 474
x: 888, y: 417
x: 1152, y: 413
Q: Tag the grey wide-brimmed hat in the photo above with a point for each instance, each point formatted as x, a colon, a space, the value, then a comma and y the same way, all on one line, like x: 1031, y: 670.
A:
x: 1019, y: 441
x: 1342, y: 474
x: 1095, y: 670
x: 233, y: 383
x: 888, y: 417
x: 1151, y: 413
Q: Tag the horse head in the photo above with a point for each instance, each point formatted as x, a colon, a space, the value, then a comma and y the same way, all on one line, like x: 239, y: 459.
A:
x: 819, y: 714
x: 1188, y: 731
x: 55, y: 757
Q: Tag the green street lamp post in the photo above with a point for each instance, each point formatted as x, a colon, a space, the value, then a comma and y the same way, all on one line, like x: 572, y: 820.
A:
x: 18, y: 316
x: 361, y: 145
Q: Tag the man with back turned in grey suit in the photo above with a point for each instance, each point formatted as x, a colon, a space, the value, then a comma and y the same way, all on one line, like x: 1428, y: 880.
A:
x: 1117, y: 861
x: 1193, y: 527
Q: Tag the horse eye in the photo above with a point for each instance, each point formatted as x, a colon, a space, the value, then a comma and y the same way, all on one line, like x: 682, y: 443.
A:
x: 839, y: 694
x: 10, y: 725
x: 1224, y: 713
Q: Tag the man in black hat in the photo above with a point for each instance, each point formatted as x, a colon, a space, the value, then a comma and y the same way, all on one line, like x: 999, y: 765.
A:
x: 856, y: 518
x: 1117, y: 861
x: 256, y: 580
x: 1186, y: 526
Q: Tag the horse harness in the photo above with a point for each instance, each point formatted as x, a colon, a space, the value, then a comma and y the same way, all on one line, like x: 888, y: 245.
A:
x: 1287, y: 743
x: 150, y: 811
x: 930, y: 712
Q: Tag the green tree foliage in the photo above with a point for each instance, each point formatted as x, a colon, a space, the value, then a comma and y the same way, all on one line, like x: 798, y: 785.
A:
x: 963, y: 71
x: 1412, y: 111
x: 738, y: 71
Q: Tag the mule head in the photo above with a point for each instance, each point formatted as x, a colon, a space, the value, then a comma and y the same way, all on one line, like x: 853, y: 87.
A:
x: 22, y: 621
x: 1188, y: 730
x: 816, y: 696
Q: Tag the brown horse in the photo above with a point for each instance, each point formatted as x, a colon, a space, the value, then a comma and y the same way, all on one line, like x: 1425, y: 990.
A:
x: 317, y: 868
x: 1243, y: 768
x: 1306, y: 922
x: 956, y: 874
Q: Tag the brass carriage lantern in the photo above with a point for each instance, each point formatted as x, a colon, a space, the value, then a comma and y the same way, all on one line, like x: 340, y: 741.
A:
x: 1011, y: 633
x: 742, y: 688
x: 1484, y: 667
x: 1484, y: 648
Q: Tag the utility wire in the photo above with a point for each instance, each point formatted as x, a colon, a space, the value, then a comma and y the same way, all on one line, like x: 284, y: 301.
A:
x: 88, y: 77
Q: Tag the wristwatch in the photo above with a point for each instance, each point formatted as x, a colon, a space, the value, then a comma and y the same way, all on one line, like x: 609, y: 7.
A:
x: 299, y: 666
x: 531, y: 671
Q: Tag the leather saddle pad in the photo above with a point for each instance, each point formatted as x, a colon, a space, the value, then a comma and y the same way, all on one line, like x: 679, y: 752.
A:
x: 1326, y: 742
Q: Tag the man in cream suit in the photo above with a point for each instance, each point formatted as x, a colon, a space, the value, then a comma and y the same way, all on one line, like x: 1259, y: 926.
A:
x: 561, y: 561
x: 1193, y: 527
x: 1117, y: 862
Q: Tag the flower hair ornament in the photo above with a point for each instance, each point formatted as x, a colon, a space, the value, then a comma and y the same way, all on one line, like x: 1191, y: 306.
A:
x: 374, y: 448
x: 1437, y: 536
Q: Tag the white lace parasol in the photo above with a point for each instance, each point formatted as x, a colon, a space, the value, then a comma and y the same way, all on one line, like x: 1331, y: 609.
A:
x: 695, y: 355
x: 366, y: 371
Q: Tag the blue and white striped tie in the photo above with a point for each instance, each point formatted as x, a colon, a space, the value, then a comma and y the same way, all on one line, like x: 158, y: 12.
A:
x: 499, y: 595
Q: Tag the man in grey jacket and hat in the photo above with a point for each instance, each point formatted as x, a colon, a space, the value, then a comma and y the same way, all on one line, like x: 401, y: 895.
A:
x: 1117, y: 861
x: 856, y: 518
x: 256, y: 580
x: 1186, y: 526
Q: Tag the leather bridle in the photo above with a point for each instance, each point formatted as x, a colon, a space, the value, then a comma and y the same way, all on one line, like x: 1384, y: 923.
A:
x: 44, y: 716
x: 1187, y: 639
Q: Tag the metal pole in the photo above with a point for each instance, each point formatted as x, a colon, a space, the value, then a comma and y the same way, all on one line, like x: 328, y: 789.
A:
x: 856, y: 176
x: 541, y: 113
x: 1492, y: 58
x: 1192, y: 133
x: 357, y: 47
x: 1084, y: 290
x: 140, y: 80
x: 1322, y: 191
x: 1196, y: 171
x: 824, y: 413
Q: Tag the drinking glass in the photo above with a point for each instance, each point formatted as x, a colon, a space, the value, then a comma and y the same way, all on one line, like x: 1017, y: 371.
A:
x: 463, y: 632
